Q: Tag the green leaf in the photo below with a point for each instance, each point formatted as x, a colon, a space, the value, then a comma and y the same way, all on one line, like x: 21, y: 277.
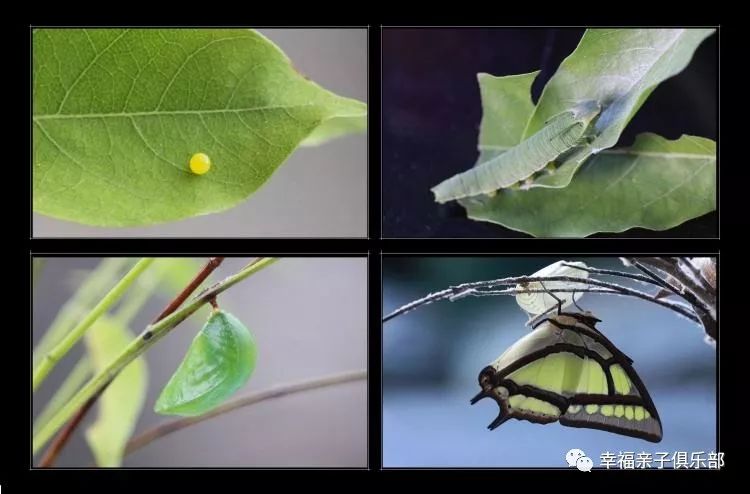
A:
x: 506, y: 107
x: 655, y: 184
x: 337, y: 127
x: 219, y: 361
x: 122, y: 402
x: 619, y: 68
x: 117, y: 114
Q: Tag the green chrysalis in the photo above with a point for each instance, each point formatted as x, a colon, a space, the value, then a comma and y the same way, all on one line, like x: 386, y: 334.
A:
x: 562, y: 133
x: 218, y: 363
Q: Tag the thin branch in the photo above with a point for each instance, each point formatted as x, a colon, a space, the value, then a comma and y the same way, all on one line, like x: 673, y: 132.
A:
x: 685, y: 263
x: 64, y: 436
x: 51, y: 359
x: 71, y: 312
x: 681, y: 309
x: 77, y: 377
x: 457, y: 291
x: 698, y: 283
x: 612, y: 272
x: 167, y: 428
x: 145, y: 340
x: 703, y: 299
x: 664, y: 283
x: 49, y: 457
x: 204, y: 273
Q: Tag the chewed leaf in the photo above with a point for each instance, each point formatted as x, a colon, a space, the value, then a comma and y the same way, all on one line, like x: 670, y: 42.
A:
x: 119, y: 116
x: 619, y: 68
x: 655, y: 184
x: 219, y: 361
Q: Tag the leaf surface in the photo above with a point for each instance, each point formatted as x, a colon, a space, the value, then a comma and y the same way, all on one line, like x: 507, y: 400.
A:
x: 655, y: 184
x: 619, y: 68
x: 117, y: 114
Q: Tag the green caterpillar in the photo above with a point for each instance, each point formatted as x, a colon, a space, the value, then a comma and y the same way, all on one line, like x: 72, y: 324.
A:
x: 561, y: 133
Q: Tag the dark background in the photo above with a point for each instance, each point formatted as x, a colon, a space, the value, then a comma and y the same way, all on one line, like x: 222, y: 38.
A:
x: 432, y: 110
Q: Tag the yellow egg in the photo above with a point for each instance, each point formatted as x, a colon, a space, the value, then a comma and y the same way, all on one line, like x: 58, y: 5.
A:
x: 200, y: 163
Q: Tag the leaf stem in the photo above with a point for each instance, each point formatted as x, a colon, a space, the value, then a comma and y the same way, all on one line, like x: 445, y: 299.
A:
x: 77, y: 377
x: 148, y: 337
x: 167, y: 428
x: 51, y: 359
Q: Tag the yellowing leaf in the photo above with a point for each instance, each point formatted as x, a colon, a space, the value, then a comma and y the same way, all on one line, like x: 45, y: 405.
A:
x: 122, y: 402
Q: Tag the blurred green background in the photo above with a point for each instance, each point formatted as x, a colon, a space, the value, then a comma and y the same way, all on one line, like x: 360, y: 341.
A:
x: 432, y: 356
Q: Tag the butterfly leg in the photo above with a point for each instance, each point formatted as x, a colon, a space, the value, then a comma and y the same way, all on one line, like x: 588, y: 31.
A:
x: 559, y: 300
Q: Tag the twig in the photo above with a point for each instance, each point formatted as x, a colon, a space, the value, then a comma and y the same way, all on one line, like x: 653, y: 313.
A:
x: 148, y: 337
x: 681, y: 309
x: 100, y: 278
x: 458, y: 290
x: 204, y: 273
x: 703, y: 299
x: 167, y: 428
x: 77, y: 377
x: 49, y: 457
x: 51, y: 359
x: 664, y: 283
x: 704, y: 296
x: 62, y: 439
x: 612, y: 272
x: 702, y: 289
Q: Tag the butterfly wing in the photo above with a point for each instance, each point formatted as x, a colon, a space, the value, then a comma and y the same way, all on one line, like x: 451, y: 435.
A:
x: 566, y: 371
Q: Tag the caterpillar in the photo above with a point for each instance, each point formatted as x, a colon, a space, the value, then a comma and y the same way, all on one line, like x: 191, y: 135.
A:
x: 560, y: 134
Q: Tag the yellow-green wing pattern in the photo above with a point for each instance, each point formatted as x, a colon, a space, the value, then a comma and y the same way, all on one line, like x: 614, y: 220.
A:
x: 565, y: 370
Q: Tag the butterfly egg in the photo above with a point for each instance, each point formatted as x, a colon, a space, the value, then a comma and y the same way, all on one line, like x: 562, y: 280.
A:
x: 551, y: 167
x: 200, y: 163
